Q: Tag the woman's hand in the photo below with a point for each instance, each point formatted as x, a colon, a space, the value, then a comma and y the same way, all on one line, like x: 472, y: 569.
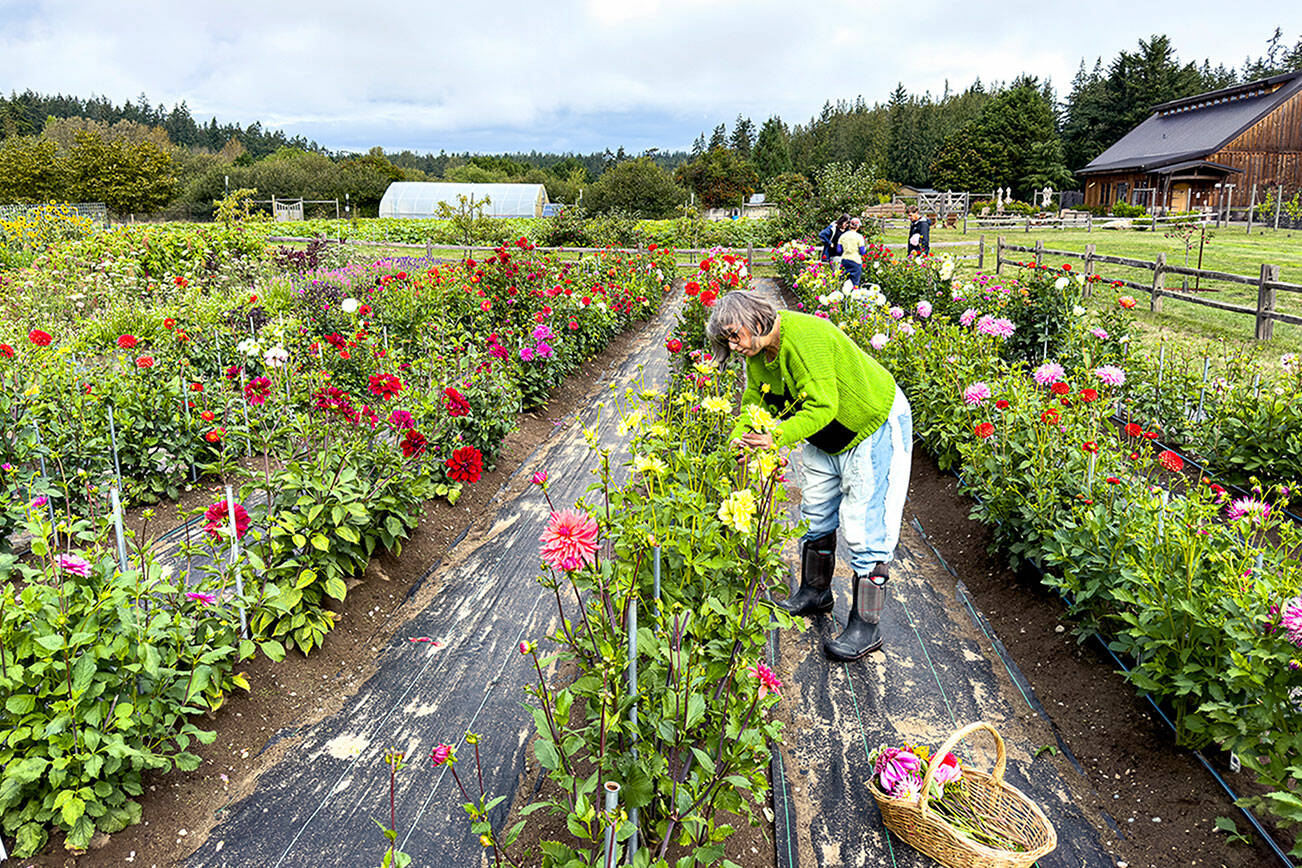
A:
x: 755, y: 440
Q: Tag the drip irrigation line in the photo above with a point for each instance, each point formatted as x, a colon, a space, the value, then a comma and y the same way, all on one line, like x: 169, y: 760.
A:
x: 890, y: 848
x: 1229, y: 791
x: 934, y: 674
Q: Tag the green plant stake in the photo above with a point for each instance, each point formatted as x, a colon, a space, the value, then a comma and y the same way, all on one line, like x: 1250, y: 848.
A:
x: 235, y: 561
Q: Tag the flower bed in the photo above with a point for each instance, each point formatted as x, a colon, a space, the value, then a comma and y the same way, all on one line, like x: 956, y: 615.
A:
x: 333, y: 403
x: 1201, y: 590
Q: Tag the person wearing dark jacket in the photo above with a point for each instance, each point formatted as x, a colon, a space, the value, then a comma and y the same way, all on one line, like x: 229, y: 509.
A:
x: 831, y: 234
x: 919, y: 233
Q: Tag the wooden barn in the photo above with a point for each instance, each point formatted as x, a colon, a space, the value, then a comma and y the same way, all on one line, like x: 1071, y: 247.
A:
x: 1206, y: 151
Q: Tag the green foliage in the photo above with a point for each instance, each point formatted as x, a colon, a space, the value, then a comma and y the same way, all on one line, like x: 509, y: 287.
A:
x: 467, y: 218
x: 100, y: 675
x: 1012, y: 142
x: 720, y: 177
x: 842, y: 188
x: 639, y: 187
x: 700, y: 744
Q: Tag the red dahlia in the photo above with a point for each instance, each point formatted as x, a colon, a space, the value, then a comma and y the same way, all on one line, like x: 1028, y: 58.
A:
x: 385, y: 386
x: 1170, y: 461
x: 40, y: 338
x: 413, y: 443
x: 127, y: 342
x: 456, y: 402
x: 465, y: 465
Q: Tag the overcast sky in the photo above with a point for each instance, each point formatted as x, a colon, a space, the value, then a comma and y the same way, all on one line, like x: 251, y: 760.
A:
x: 568, y: 75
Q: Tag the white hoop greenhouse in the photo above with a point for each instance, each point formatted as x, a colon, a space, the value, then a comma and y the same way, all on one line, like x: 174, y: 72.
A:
x: 422, y: 198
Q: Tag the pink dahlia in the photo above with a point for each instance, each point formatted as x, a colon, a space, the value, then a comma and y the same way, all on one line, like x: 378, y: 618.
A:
x: 200, y: 598
x: 1291, y: 620
x: 976, y: 394
x: 1248, y: 507
x: 75, y: 564
x: 969, y: 316
x: 768, y: 682
x: 893, y: 766
x: 1110, y: 375
x: 1048, y: 374
x: 924, y: 308
x: 997, y: 327
x: 570, y: 540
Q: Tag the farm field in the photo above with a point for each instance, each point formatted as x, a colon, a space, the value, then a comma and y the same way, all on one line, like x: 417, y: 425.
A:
x: 356, y: 402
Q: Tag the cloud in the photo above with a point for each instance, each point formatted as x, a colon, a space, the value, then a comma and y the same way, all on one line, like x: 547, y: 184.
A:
x: 586, y: 74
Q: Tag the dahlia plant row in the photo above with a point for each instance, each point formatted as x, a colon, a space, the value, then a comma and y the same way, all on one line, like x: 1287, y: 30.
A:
x: 693, y: 739
x: 333, y: 403
x: 1059, y: 428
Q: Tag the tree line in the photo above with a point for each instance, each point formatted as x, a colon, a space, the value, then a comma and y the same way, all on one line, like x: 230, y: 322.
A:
x: 147, y: 159
x: 1016, y: 134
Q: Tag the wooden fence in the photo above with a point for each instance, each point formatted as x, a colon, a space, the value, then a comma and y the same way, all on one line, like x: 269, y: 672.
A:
x: 1267, y: 282
x: 1064, y: 220
x: 693, y: 254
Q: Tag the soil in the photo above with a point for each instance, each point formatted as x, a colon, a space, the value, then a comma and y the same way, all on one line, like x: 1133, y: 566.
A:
x: 1163, y: 801
x: 180, y: 808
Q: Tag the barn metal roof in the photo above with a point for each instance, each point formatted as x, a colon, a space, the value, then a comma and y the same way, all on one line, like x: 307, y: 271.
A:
x: 1194, y: 127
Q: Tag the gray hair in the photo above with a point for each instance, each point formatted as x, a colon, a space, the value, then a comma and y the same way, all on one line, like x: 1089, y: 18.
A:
x: 741, y: 307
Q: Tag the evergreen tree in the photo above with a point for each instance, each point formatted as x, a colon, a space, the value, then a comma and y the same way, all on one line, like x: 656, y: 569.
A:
x: 698, y: 146
x: 743, y: 137
x: 718, y: 138
x: 772, y: 153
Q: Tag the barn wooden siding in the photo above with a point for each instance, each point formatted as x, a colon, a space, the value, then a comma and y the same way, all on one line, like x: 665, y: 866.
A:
x: 1269, y: 152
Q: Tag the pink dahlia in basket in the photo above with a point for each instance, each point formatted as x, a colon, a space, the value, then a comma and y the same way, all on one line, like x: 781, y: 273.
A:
x: 570, y: 540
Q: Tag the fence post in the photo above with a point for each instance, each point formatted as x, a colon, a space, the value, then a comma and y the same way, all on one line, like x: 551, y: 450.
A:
x: 1028, y: 224
x: 1089, y: 268
x: 1252, y: 207
x: 1279, y: 197
x: 429, y: 248
x: 999, y: 254
x: 981, y: 254
x: 750, y: 255
x: 1039, y: 252
x: 1089, y: 222
x: 1154, y: 226
x: 1266, y: 302
x: 1159, y: 281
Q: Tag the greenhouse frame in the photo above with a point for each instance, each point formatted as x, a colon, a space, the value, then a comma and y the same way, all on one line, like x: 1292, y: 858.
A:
x: 415, y: 199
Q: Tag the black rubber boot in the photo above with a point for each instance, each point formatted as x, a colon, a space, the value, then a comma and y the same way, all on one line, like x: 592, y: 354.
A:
x: 817, y: 560
x: 862, y: 635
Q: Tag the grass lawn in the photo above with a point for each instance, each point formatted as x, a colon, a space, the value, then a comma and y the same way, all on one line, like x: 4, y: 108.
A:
x: 1195, y: 329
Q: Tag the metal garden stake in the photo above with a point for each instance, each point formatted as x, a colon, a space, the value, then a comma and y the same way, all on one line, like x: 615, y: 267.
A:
x: 235, y: 561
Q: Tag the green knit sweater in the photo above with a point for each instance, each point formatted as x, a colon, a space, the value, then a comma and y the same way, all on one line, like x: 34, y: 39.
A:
x: 821, y: 385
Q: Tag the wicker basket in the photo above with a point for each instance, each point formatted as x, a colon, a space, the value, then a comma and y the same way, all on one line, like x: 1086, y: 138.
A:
x: 1002, y: 806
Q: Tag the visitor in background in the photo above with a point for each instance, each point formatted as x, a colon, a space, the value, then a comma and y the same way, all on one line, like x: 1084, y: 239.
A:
x: 919, y: 233
x: 852, y: 246
x: 831, y: 234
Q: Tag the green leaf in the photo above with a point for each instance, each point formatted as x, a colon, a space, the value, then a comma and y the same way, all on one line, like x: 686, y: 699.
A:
x: 321, y: 543
x: 305, y: 578
x: 273, y: 649
x: 51, y: 642
x: 335, y: 587
x: 29, y: 839
x: 72, y: 809
x: 20, y: 703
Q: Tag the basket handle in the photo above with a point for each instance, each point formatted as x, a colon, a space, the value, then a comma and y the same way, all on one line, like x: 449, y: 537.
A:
x: 924, y: 803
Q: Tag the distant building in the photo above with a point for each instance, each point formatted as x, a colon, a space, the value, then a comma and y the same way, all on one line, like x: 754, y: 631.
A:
x: 1190, y: 151
x: 421, y: 198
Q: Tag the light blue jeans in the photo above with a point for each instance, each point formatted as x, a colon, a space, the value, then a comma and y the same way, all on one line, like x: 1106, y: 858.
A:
x: 862, y: 491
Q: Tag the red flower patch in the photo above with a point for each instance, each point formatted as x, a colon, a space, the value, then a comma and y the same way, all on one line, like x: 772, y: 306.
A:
x: 465, y: 465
